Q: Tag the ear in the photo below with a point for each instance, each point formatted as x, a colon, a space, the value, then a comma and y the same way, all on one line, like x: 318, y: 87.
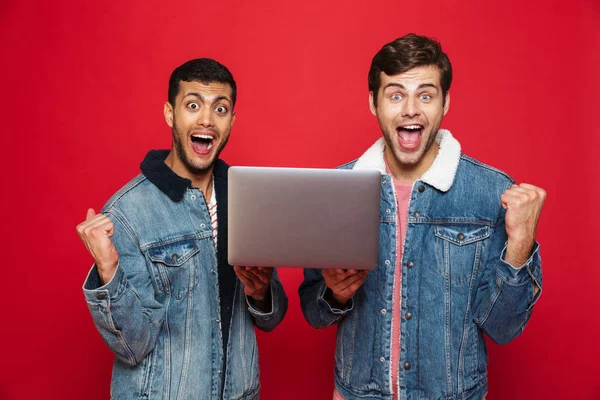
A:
x: 168, y: 111
x: 232, y: 117
x: 372, y: 104
x: 447, y: 103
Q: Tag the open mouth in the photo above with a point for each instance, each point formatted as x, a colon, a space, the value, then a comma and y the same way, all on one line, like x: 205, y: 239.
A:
x: 202, y: 143
x: 409, y: 136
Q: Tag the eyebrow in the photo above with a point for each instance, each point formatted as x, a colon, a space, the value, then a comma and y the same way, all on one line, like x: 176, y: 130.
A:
x: 199, y: 96
x: 421, y: 86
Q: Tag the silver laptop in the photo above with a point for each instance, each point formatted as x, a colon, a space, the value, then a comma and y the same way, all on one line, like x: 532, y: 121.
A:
x: 300, y: 217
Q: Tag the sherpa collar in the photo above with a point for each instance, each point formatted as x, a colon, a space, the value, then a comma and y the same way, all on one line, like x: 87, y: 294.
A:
x: 442, y: 171
x: 163, y: 177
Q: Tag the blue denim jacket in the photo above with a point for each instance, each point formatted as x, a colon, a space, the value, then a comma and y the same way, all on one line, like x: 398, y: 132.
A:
x: 456, y: 286
x: 161, y: 313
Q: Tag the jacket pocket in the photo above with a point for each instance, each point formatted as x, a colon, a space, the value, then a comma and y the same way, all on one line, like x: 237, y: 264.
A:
x: 459, y: 248
x: 173, y: 266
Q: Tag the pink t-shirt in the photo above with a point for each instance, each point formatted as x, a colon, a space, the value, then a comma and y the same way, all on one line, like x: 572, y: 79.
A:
x: 403, y: 193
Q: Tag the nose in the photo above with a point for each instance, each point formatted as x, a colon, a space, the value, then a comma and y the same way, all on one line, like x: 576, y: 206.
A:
x: 205, y: 117
x: 411, y: 107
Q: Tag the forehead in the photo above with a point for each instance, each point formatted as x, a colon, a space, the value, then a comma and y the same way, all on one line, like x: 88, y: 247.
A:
x: 206, y: 90
x: 413, y: 77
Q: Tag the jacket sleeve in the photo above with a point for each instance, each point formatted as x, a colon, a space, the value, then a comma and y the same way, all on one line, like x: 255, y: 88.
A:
x: 267, y: 321
x: 506, y: 294
x: 124, y: 310
x: 317, y: 311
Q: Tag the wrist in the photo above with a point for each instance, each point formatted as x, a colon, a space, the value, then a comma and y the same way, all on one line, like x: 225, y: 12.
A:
x: 258, y: 297
x: 518, y: 251
x: 523, y: 244
x: 106, y: 272
x: 334, y: 300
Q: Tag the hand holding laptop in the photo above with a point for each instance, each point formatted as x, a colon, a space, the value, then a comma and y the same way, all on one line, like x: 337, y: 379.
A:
x: 343, y: 283
x: 255, y: 279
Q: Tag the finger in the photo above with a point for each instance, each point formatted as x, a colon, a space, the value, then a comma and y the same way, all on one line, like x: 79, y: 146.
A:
x: 521, y: 197
x: 349, y: 287
x: 350, y: 282
x: 257, y: 275
x: 99, y: 222
x: 100, y: 228
x: 533, y: 192
x: 90, y: 213
x: 343, y: 284
x: 529, y: 187
x: 511, y: 199
x: 248, y: 284
x: 95, y: 221
x: 518, y: 189
x: 89, y: 221
x: 248, y: 275
x: 351, y: 290
x: 332, y: 278
x: 268, y: 270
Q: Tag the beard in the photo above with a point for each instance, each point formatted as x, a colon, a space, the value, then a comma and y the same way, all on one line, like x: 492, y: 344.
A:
x: 409, y: 159
x: 195, y: 168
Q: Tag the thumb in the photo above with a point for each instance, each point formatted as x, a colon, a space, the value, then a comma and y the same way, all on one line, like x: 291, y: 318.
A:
x: 90, y: 213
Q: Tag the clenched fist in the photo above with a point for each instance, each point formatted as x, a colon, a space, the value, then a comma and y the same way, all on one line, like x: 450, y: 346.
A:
x: 95, y: 232
x: 523, y: 204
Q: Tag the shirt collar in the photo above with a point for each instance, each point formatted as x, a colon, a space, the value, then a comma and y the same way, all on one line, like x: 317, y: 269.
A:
x: 156, y: 171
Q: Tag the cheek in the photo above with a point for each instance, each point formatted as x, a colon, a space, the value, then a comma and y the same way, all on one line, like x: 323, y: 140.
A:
x: 434, y: 114
x: 388, y: 114
x: 224, y: 125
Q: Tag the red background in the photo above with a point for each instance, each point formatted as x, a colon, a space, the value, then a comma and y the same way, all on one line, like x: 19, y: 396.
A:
x: 83, y: 85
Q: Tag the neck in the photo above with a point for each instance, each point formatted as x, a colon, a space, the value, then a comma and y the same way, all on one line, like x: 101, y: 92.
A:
x: 200, y: 179
x: 410, y: 172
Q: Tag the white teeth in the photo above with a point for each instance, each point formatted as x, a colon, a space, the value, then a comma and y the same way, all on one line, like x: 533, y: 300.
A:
x: 203, y: 137
x: 412, y: 127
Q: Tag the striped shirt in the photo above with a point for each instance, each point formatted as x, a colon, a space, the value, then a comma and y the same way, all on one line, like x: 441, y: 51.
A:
x: 212, y: 210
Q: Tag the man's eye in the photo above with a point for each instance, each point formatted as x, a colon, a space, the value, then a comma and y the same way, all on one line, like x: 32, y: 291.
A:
x: 425, y: 97
x: 221, y: 109
x: 193, y: 106
x: 395, y: 97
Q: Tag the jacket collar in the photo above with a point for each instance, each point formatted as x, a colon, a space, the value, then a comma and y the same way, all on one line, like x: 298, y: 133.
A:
x: 442, y: 171
x: 156, y: 171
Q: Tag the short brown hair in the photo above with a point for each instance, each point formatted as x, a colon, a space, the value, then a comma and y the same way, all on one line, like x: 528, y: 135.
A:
x: 405, y: 53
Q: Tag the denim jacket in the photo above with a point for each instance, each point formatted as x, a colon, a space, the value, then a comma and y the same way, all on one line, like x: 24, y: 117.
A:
x: 456, y: 286
x: 161, y: 314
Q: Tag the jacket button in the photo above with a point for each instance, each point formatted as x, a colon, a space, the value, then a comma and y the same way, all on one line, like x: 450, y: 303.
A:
x: 382, y: 359
x: 417, y: 214
x: 175, y: 256
x: 460, y: 236
x: 407, y: 366
x: 410, y: 264
x: 408, y: 315
x: 193, y: 197
x: 421, y: 188
x: 101, y: 296
x: 384, y: 311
